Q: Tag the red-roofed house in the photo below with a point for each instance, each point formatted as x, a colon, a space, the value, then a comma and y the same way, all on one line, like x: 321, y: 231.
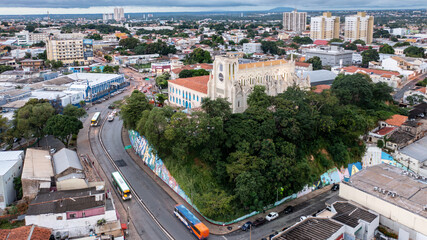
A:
x: 175, y: 72
x: 188, y: 92
x: 303, y: 66
x: 320, y: 88
x: 392, y: 78
x: 321, y: 42
x: 26, y: 232
x: 396, y: 121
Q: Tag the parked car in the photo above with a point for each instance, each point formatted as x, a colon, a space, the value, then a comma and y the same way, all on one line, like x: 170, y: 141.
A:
x: 271, y: 216
x: 259, y: 221
x: 246, y: 226
x: 288, y: 210
x: 52, y: 150
x: 335, y: 187
x: 302, y: 218
x: 111, y: 107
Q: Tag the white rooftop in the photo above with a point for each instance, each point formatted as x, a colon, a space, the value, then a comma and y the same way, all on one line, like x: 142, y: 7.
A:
x: 92, y: 78
x: 37, y: 165
x: 8, y: 159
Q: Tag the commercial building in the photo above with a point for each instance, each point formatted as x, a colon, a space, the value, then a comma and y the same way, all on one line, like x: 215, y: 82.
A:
x: 160, y: 67
x: 70, y: 51
x: 96, y: 85
x: 294, y: 21
x: 325, y: 27
x: 360, y: 26
x: 10, y: 168
x: 396, y: 195
x: 37, y: 172
x: 331, y: 55
x: 249, y: 48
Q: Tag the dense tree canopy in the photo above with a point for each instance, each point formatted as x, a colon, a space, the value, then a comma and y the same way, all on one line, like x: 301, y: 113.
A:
x: 193, y: 73
x: 413, y: 51
x: 302, y: 40
x: 63, y: 127
x: 129, y: 43
x: 368, y: 56
x: 386, y: 49
x: 316, y: 62
x: 271, y: 48
x: 198, y: 56
x: 132, y: 110
x: 32, y: 117
x: 158, y: 47
x: 273, y: 149
x: 74, y: 111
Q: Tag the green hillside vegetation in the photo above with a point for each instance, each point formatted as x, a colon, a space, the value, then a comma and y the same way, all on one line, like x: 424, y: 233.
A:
x: 232, y: 164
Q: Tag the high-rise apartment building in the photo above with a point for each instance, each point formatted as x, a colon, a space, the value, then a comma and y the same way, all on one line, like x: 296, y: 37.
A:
x: 70, y: 50
x: 325, y: 27
x: 360, y: 26
x: 107, y: 17
x: 119, y: 14
x: 294, y: 21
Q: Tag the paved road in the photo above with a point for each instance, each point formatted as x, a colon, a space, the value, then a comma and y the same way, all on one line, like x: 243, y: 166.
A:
x: 285, y: 220
x: 159, y: 203
x: 399, y: 94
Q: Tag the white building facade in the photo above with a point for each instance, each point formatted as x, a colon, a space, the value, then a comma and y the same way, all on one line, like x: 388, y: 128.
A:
x: 10, y: 167
x: 294, y: 21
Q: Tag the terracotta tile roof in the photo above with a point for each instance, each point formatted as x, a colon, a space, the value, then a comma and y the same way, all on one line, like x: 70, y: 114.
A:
x: 19, y: 233
x: 321, y: 42
x: 193, y: 66
x: 199, y: 84
x: 385, y: 130
x: 302, y: 64
x: 39, y: 233
x: 423, y: 90
x: 320, y: 88
x: 4, y: 233
x: 354, y: 69
x: 260, y: 64
x: 396, y: 120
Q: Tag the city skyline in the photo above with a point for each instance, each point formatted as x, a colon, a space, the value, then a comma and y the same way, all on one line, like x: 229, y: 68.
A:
x: 26, y: 7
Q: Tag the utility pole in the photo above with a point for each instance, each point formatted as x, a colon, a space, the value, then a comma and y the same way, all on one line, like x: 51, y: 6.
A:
x: 128, y: 221
x: 250, y: 232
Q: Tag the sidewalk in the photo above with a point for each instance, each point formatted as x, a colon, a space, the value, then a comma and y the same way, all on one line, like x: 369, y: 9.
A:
x: 83, y: 148
x: 213, y: 228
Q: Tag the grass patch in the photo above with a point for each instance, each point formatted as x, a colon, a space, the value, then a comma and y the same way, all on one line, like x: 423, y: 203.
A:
x: 5, y: 224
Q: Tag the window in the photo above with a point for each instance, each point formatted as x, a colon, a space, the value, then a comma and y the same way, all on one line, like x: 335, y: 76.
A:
x: 73, y: 215
x: 197, y: 98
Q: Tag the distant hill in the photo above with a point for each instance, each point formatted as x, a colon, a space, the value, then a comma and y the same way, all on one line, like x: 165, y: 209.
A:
x: 281, y: 9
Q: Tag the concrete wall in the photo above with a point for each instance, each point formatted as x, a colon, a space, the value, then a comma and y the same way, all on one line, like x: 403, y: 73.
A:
x: 7, y: 190
x: 385, y: 209
x: 75, y: 227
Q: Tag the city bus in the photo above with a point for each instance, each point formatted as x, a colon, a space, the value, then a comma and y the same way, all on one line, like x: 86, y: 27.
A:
x: 121, y: 186
x: 95, y: 119
x: 192, y: 222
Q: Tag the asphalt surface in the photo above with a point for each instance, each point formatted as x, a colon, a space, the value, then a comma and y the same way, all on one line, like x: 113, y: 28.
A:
x: 157, y: 200
x: 285, y: 220
x: 410, y: 85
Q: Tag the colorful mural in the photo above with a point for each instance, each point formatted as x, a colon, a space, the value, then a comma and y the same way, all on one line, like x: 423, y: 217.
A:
x: 148, y: 156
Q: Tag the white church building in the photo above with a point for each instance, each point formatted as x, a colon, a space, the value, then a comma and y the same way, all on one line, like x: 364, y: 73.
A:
x: 235, y: 81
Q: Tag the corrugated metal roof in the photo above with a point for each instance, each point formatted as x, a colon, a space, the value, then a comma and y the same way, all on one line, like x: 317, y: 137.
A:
x: 11, y: 155
x: 64, y: 159
x: 37, y: 165
x: 417, y: 150
x: 319, y: 75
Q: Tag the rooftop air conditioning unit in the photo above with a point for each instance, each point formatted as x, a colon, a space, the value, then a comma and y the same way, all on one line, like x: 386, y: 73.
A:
x: 375, y: 188
x: 393, y: 195
x: 384, y: 191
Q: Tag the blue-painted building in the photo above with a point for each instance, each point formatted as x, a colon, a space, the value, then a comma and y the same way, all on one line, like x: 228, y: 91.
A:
x: 97, y: 85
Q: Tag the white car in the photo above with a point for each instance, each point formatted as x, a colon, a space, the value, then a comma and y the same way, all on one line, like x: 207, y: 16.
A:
x: 272, y: 216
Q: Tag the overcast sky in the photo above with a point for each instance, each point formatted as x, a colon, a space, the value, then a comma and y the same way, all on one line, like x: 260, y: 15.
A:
x: 101, y: 6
